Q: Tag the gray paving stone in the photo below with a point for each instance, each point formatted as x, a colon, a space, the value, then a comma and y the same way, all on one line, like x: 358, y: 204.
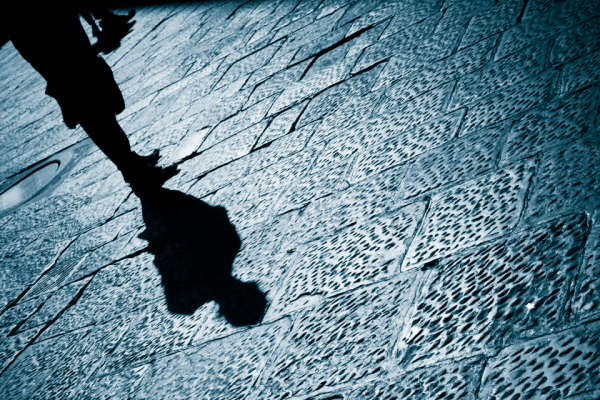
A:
x: 356, y: 256
x: 278, y: 83
x: 498, y: 19
x: 559, y: 122
x: 249, y: 64
x: 356, y: 110
x: 312, y: 187
x: 526, y: 63
x: 510, y: 101
x: 237, y: 123
x: 397, y: 44
x: 285, y: 146
x: 225, y: 369
x: 365, y: 200
x: 585, y: 298
x: 312, y: 85
x: 566, y: 181
x: 82, y: 359
x: 456, y: 161
x: 436, y: 74
x: 402, y: 146
x: 336, y: 98
x: 419, y: 212
x: 52, y: 306
x: 445, y: 380
x: 518, y: 285
x: 563, y: 364
x: 581, y: 73
x: 468, y: 214
x: 235, y: 147
x: 307, y: 363
x: 551, y: 19
x: 418, y: 110
x: 576, y: 41
x: 34, y: 365
x: 118, y: 289
x: 12, y: 346
x: 281, y: 125
x: 122, y: 385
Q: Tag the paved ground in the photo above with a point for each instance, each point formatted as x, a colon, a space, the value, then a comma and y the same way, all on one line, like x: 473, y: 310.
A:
x: 414, y: 184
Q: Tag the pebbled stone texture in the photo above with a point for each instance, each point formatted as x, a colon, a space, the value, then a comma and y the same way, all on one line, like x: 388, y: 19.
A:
x: 376, y: 200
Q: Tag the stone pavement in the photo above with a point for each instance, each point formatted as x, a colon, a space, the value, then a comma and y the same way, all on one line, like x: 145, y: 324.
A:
x: 415, y: 185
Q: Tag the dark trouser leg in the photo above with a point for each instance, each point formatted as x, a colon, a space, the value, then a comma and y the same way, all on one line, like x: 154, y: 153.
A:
x: 105, y: 132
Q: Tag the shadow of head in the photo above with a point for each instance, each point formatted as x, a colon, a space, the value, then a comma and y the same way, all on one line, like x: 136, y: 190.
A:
x: 194, y: 246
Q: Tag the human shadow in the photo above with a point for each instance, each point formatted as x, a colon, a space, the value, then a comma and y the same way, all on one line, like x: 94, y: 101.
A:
x: 194, y: 245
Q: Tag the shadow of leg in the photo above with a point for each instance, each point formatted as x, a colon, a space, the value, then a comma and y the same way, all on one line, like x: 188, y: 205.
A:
x: 194, y: 245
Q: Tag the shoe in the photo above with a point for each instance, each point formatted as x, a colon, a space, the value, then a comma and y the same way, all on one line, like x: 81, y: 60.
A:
x: 116, y: 21
x: 148, y: 177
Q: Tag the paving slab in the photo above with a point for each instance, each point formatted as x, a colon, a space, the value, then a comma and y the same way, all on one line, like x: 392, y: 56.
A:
x: 376, y: 200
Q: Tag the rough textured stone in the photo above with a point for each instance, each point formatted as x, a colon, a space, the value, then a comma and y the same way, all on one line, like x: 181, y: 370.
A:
x: 376, y: 199
x: 554, y: 366
x: 566, y: 180
x: 471, y: 213
x: 496, y: 294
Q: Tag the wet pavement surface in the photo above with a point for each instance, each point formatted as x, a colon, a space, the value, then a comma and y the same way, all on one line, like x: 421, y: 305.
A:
x: 377, y: 200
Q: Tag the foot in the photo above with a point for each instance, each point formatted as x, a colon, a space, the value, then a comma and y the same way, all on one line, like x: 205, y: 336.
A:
x: 148, y: 177
x: 117, y: 21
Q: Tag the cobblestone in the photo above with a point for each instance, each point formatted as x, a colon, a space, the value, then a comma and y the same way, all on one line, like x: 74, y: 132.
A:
x: 403, y: 194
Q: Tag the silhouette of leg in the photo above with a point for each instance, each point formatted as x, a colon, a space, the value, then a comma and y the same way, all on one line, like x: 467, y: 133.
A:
x: 139, y: 171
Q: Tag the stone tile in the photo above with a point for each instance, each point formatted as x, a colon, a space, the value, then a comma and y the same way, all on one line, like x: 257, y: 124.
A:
x: 553, y: 18
x: 559, y: 122
x: 34, y: 365
x: 285, y: 146
x: 526, y: 63
x: 510, y: 101
x: 337, y: 97
x: 498, y: 19
x: 585, y: 298
x: 54, y: 305
x: 358, y: 255
x: 362, y: 201
x: 355, y: 111
x: 518, y: 285
x: 565, y: 181
x: 418, y: 110
x: 233, y: 148
x: 278, y: 83
x: 305, y: 364
x: 563, y: 364
x: 575, y: 42
x: 396, y: 44
x: 155, y: 332
x: 118, y: 289
x: 581, y: 73
x: 436, y: 74
x: 237, y: 123
x: 471, y: 213
x: 249, y: 64
x: 281, y: 125
x: 223, y: 369
x: 312, y: 187
x: 454, y: 162
x: 402, y: 146
x: 445, y: 380
x: 311, y: 86
x: 122, y: 385
x: 12, y: 346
